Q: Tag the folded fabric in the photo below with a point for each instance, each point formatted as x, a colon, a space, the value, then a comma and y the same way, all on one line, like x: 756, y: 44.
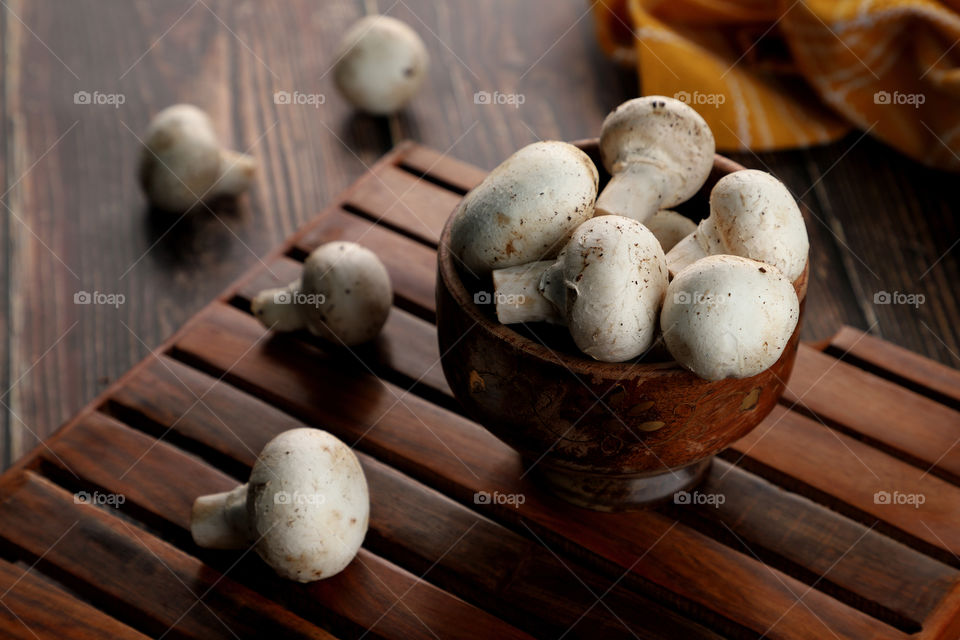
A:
x: 772, y: 74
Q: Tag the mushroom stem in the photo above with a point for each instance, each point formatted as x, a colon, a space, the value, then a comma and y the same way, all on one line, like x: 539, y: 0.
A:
x: 221, y: 521
x: 516, y: 292
x: 552, y: 285
x: 685, y: 253
x: 278, y: 308
x: 635, y: 192
x: 236, y: 173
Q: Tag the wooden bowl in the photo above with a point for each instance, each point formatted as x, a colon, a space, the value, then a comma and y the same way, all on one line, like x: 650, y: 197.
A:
x: 608, y: 436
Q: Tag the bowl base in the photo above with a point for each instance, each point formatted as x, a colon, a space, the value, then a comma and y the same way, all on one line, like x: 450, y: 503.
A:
x: 604, y: 492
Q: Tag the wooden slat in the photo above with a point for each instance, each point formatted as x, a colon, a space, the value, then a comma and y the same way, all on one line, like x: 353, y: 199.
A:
x: 33, y: 609
x: 493, y: 566
x: 107, y: 454
x: 398, y: 198
x: 130, y: 572
x: 461, y: 458
x: 424, y: 160
x: 853, y: 472
x: 143, y: 470
x: 896, y: 363
x: 847, y: 554
x: 877, y: 409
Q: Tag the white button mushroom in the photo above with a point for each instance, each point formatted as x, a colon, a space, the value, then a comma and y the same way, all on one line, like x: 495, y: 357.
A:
x: 182, y: 162
x: 613, y: 277
x: 525, y: 209
x: 670, y: 227
x: 381, y: 63
x: 616, y: 276
x: 729, y: 317
x: 752, y: 215
x: 658, y: 151
x: 305, y: 508
x: 344, y: 296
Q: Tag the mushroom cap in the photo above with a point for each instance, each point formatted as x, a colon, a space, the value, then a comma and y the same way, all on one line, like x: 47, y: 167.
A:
x: 660, y: 132
x: 345, y: 293
x: 752, y: 214
x: 381, y: 63
x: 308, y: 502
x: 670, y: 227
x: 729, y: 317
x: 616, y: 276
x: 526, y: 208
x: 180, y: 161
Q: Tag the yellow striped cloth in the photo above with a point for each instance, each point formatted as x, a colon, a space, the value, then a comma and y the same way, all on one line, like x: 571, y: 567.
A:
x: 770, y: 74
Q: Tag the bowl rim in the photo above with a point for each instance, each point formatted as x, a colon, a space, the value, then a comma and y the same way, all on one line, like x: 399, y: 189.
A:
x: 576, y: 363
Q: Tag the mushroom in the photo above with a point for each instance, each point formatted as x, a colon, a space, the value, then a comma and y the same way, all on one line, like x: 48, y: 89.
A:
x: 670, y: 227
x: 305, y: 508
x: 344, y: 295
x: 729, y: 317
x: 518, y: 297
x: 614, y: 278
x: 658, y: 151
x: 380, y: 64
x: 752, y: 215
x: 552, y: 286
x: 525, y: 209
x: 182, y: 162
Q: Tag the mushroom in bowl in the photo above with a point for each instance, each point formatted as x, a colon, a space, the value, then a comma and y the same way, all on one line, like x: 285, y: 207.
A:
x: 605, y: 435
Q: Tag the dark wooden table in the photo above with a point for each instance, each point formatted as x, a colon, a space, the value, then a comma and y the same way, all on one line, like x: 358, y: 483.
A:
x: 75, y: 221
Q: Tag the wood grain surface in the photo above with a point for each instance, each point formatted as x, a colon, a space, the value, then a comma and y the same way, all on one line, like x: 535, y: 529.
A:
x: 75, y: 221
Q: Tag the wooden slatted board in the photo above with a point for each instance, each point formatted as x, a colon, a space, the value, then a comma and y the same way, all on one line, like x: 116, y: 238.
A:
x: 800, y: 546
